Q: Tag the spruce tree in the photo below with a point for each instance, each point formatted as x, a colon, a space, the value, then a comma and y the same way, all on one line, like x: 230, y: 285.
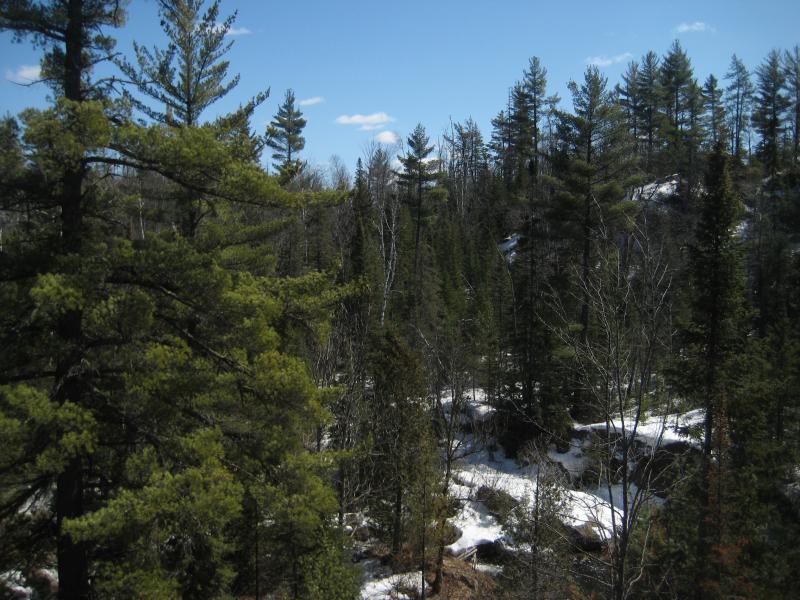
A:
x: 715, y: 334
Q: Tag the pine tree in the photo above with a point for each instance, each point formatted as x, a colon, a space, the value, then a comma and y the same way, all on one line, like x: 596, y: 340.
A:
x: 738, y: 101
x: 630, y: 98
x: 693, y: 135
x: 284, y: 135
x: 186, y: 78
x: 649, y: 85
x: 535, y: 85
x: 501, y: 144
x: 676, y: 87
x: 770, y: 106
x: 715, y: 117
x: 416, y: 178
x: 197, y: 44
x: 792, y: 71
x: 73, y: 38
x: 590, y: 172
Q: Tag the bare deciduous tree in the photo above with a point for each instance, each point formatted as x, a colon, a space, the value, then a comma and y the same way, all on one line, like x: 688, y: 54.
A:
x: 628, y: 290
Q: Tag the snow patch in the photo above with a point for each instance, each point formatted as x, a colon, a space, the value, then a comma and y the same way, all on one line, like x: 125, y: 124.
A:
x: 477, y: 527
x: 657, y: 430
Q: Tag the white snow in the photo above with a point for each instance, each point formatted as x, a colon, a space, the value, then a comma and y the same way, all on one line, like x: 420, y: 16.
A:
x: 657, y: 190
x: 655, y: 430
x: 575, y: 460
x: 477, y: 527
x: 476, y: 403
x: 388, y: 588
x: 584, y: 509
x: 15, y: 582
x: 511, y: 242
x: 503, y: 474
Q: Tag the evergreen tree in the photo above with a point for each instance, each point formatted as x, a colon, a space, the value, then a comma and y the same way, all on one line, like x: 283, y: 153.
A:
x: 522, y: 133
x: 715, y: 117
x: 74, y: 40
x: 676, y: 87
x: 792, y: 70
x: 197, y: 44
x: 593, y: 139
x: 590, y: 170
x: 649, y: 84
x: 535, y: 84
x: 186, y: 78
x: 416, y: 178
x: 715, y: 334
x: 770, y: 106
x: 630, y: 98
x: 284, y: 135
x: 693, y: 135
x: 501, y: 144
x: 738, y: 101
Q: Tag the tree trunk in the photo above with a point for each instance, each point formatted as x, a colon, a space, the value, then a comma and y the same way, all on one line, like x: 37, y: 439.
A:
x: 398, y: 522
x: 71, y: 557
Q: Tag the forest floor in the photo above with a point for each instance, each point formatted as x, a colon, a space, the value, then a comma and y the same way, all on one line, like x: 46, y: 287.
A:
x: 483, y: 472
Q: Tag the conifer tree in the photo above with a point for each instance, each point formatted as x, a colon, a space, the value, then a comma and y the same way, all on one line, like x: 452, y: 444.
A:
x: 792, y: 70
x: 190, y: 74
x: 715, y: 117
x: 501, y: 143
x: 186, y: 78
x: 738, y: 101
x: 630, y: 98
x: 650, y: 89
x: 284, y: 135
x: 72, y: 34
x: 535, y: 84
x: 676, y: 87
x: 590, y: 172
x: 770, y: 106
x: 715, y: 331
x: 417, y: 175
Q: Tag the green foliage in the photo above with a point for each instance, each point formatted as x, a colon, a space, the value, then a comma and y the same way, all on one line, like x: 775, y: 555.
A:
x: 197, y: 44
x: 284, y: 135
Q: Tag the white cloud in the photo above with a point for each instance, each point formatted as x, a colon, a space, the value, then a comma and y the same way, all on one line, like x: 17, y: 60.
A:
x: 312, y: 101
x: 232, y: 30
x: 607, y: 61
x: 387, y: 137
x: 239, y: 31
x: 24, y: 74
x: 366, y: 122
x: 694, y: 27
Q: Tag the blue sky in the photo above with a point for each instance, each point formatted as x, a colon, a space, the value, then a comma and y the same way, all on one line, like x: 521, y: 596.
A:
x: 377, y: 68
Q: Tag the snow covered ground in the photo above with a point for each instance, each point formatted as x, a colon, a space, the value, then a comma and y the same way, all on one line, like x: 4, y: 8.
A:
x: 391, y: 587
x: 657, y: 190
x: 655, y: 430
x: 592, y: 506
x: 589, y: 508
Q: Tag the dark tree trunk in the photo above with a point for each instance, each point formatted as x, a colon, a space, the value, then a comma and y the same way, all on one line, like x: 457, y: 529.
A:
x: 72, y: 560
